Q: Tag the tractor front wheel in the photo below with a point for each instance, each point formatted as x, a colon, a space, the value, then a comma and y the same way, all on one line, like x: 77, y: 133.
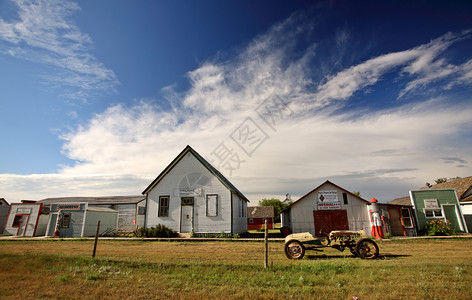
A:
x: 294, y: 249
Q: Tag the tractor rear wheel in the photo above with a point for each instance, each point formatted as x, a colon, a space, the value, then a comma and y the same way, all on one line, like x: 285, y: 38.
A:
x: 367, y: 249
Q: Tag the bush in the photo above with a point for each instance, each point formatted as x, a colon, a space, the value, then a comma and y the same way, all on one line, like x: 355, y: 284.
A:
x: 160, y: 231
x: 439, y: 227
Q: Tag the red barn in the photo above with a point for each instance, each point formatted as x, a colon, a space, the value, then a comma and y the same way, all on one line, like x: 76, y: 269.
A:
x: 257, y: 214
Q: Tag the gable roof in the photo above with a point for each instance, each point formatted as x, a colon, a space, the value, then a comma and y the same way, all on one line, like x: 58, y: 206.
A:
x: 205, y: 163
x: 327, y: 181
x: 463, y: 187
x: 260, y: 212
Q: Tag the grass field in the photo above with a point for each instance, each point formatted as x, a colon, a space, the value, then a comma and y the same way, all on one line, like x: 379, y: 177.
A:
x: 421, y: 269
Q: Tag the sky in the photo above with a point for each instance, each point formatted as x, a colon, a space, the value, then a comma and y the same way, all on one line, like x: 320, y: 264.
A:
x: 98, y: 97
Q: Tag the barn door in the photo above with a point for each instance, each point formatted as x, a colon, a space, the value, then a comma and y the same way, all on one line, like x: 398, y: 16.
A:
x: 329, y: 220
x: 186, y: 219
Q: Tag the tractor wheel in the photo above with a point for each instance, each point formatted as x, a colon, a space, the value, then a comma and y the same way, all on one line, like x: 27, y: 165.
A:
x: 367, y: 249
x: 294, y: 249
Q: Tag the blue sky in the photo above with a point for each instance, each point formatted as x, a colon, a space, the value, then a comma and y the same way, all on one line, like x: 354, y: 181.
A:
x: 97, y: 97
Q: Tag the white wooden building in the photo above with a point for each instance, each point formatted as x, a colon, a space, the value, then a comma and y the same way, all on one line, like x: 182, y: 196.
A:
x: 327, y: 207
x: 190, y: 195
x: 24, y: 220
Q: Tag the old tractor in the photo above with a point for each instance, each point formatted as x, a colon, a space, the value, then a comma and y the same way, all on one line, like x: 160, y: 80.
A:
x: 356, y: 241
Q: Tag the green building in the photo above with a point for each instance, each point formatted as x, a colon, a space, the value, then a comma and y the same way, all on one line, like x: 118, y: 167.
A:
x: 438, y: 204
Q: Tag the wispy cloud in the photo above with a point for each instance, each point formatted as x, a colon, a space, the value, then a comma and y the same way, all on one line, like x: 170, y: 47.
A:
x: 43, y: 33
x: 422, y: 63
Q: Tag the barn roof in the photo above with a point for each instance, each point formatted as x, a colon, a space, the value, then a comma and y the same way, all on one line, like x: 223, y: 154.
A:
x: 205, y: 163
x: 326, y: 182
x: 260, y: 212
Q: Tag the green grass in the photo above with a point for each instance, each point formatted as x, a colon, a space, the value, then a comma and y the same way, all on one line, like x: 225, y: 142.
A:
x: 433, y: 269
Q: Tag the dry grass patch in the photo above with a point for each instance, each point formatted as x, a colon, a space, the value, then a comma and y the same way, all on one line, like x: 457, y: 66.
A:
x: 437, y: 269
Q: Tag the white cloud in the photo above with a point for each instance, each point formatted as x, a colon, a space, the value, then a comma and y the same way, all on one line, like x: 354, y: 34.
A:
x: 43, y: 33
x: 382, y: 154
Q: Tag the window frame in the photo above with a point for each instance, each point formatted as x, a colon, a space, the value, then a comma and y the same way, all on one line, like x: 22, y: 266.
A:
x: 434, y: 216
x: 410, y: 220
x: 66, y: 224
x: 208, y: 214
x: 163, y: 210
x: 17, y: 222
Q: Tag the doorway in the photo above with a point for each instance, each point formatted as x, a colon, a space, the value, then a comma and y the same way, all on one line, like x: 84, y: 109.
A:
x: 186, y: 216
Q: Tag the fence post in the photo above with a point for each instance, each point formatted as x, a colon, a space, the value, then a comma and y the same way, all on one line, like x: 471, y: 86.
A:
x: 266, y: 245
x: 96, y: 239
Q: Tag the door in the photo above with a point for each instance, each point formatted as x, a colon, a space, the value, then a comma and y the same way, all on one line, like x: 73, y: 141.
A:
x: 329, y: 220
x: 451, y: 216
x: 396, y: 221
x: 186, y: 219
x: 24, y: 222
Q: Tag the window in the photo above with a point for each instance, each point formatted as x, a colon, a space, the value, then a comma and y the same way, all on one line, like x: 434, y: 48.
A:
x: 65, y: 223
x: 141, y: 210
x: 163, y: 206
x: 345, y: 198
x: 406, y: 218
x: 17, y: 221
x: 212, y: 205
x: 187, y: 201
x: 432, y: 213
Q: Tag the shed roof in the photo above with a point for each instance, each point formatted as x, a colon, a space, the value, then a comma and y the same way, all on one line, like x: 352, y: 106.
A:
x: 205, y: 163
x: 108, y: 200
x: 405, y: 201
x: 326, y: 182
x: 260, y: 212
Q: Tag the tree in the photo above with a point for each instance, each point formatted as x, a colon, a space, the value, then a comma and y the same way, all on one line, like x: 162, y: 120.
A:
x: 277, y: 204
x: 444, y: 179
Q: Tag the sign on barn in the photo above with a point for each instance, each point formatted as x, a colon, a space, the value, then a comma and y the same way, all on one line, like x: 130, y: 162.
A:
x: 328, y: 199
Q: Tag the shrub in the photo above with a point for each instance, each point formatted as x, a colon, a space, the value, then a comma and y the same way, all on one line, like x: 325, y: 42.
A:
x: 439, y: 227
x: 158, y: 231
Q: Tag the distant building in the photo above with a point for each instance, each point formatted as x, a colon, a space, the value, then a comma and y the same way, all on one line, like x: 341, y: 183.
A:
x: 256, y: 216
x: 4, y: 208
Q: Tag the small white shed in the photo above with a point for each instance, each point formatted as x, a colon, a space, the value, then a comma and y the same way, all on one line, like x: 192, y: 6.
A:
x: 79, y: 220
x: 327, y: 207
x: 190, y: 195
